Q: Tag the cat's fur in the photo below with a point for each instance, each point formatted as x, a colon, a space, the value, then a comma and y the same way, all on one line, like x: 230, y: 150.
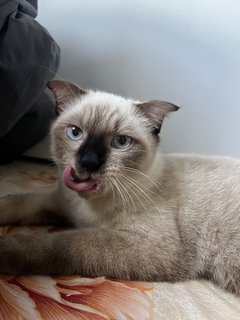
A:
x: 151, y: 217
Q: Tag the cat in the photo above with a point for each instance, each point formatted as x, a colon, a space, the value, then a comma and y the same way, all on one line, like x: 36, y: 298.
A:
x: 132, y: 212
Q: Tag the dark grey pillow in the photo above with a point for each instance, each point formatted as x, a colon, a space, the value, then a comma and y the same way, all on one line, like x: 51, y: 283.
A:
x: 29, y: 57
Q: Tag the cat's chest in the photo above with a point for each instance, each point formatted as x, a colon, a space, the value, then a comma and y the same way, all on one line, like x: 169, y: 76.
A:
x: 84, y: 214
x: 103, y: 213
x: 101, y: 216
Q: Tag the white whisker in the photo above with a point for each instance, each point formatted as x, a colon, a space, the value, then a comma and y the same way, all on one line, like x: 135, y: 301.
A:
x: 136, y: 195
x: 129, y: 195
x: 133, y: 170
x: 143, y: 192
x: 120, y: 193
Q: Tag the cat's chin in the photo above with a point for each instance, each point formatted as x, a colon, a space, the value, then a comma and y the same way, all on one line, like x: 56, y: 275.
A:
x: 83, y: 187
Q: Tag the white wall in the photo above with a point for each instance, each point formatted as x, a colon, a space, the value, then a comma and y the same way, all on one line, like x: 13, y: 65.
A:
x: 184, y: 51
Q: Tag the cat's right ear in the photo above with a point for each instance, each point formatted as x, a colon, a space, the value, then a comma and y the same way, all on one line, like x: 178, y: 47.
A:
x: 64, y: 92
x: 155, y: 111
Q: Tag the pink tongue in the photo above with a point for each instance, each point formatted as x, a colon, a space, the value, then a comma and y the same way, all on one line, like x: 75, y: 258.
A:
x: 76, y: 185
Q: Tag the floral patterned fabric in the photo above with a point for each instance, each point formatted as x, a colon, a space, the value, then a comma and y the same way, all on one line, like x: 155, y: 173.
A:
x: 70, y: 298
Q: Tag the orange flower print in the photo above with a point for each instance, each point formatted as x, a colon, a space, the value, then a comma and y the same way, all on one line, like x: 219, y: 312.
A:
x: 114, y: 299
x: 65, y: 298
x: 15, y: 303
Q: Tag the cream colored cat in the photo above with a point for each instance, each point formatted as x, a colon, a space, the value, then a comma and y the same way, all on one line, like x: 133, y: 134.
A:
x: 133, y: 213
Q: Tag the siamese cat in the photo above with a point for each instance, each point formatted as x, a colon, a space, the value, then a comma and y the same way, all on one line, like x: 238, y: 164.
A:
x: 132, y: 212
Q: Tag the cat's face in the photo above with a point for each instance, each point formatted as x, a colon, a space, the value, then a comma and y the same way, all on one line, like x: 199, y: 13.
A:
x: 100, y: 139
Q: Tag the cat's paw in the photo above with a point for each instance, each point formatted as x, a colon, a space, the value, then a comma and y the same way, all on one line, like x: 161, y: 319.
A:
x: 3, y: 254
x: 9, y: 206
x: 10, y: 255
x: 5, y: 209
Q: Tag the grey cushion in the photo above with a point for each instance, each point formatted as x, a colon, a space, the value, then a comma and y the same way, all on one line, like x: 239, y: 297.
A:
x: 29, y: 57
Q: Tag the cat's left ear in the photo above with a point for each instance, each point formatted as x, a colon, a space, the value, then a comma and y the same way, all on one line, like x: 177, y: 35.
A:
x: 156, y: 111
x: 64, y: 92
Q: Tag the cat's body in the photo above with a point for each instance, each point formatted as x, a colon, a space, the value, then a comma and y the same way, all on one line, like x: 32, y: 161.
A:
x: 136, y: 214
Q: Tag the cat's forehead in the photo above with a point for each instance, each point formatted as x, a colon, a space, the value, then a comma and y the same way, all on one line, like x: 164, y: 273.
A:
x: 103, y: 111
x: 105, y: 104
x: 100, y: 99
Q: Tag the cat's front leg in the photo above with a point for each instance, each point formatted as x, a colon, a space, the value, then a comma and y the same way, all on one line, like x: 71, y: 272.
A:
x: 93, y: 252
x: 39, y: 208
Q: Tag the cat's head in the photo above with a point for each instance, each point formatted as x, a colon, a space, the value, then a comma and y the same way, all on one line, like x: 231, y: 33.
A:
x: 99, y: 139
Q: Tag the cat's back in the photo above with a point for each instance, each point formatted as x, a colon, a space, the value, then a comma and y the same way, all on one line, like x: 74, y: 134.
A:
x: 202, y: 167
x: 207, y: 188
x: 202, y: 182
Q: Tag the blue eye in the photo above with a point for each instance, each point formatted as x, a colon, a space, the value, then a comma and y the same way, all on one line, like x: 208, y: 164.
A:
x: 74, y: 133
x: 121, y: 142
